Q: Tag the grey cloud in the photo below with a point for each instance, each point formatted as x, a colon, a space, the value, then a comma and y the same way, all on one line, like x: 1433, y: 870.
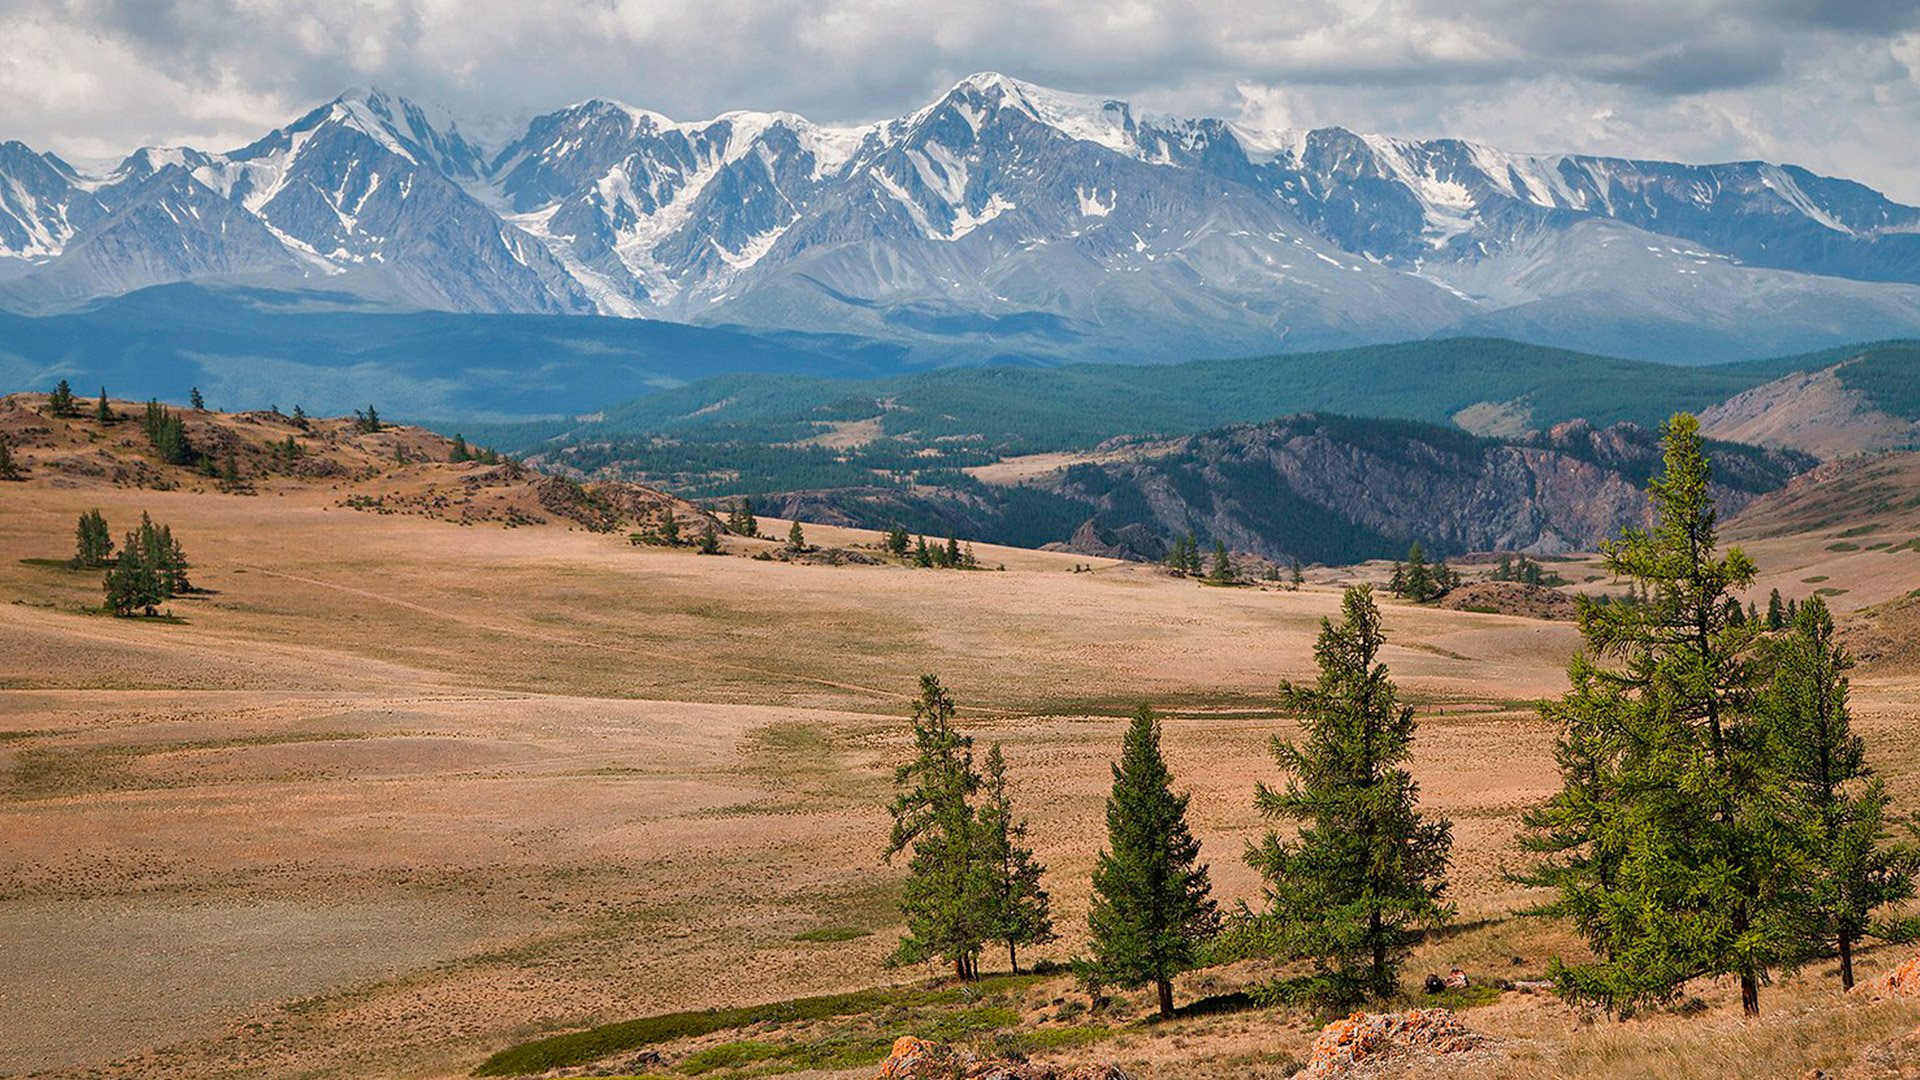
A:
x: 1829, y: 85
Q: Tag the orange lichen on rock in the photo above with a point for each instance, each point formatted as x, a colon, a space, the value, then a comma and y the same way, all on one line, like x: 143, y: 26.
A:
x: 918, y: 1059
x: 1903, y: 980
x: 1364, y: 1039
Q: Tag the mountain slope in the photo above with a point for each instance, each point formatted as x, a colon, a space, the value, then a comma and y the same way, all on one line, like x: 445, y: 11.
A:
x: 1001, y: 220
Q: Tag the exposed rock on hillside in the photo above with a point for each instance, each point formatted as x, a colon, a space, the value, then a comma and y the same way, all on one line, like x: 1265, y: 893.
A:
x: 1325, y: 488
x: 1814, y: 412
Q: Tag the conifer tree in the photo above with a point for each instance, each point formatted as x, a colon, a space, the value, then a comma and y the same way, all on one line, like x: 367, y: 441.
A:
x: 710, y: 540
x: 1152, y: 905
x: 1179, y: 556
x: 670, y: 529
x: 60, y: 402
x: 948, y: 891
x: 195, y: 400
x: 1663, y: 843
x: 299, y: 417
x: 9, y: 468
x: 1298, y: 579
x: 93, y: 547
x: 796, y: 538
x: 102, y: 411
x: 952, y: 552
x: 922, y: 555
x: 459, y: 453
x: 1776, y: 611
x: 1834, y: 804
x: 1020, y: 910
x: 1367, y: 869
x: 1418, y: 583
x: 897, y: 540
x: 1222, y: 570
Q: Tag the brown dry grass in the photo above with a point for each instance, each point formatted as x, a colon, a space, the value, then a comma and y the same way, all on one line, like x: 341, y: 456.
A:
x: 400, y: 793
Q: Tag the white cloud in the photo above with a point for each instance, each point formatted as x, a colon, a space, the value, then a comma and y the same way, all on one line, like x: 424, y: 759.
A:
x: 1833, y: 87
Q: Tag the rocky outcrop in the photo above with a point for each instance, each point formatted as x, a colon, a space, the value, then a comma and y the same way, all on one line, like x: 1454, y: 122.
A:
x: 1378, y: 1040
x: 1330, y: 489
x: 918, y: 1059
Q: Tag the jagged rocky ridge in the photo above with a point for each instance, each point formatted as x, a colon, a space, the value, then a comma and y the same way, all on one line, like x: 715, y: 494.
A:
x: 1001, y: 218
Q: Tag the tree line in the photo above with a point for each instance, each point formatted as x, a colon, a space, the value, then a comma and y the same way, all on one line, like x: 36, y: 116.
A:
x: 1716, y: 815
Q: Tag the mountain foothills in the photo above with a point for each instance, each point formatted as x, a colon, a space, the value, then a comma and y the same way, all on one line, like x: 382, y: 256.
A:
x: 1002, y: 220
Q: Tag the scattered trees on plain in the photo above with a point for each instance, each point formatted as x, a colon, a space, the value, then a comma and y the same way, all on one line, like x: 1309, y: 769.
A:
x: 1153, y: 909
x: 151, y: 569
x: 1525, y: 571
x: 93, y: 544
x: 1714, y: 817
x: 970, y: 879
x: 1420, y: 581
x: 1366, y: 871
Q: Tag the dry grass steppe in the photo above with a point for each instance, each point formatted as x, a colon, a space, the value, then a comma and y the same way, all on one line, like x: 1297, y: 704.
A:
x: 396, y: 793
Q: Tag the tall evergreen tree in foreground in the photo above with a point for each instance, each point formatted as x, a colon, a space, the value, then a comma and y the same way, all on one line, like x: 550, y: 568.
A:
x: 948, y: 893
x: 1835, y: 805
x: 1366, y: 870
x: 1020, y: 913
x: 1664, y: 843
x: 1152, y: 903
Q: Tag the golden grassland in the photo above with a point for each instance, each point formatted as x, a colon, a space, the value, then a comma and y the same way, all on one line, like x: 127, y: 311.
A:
x: 396, y: 793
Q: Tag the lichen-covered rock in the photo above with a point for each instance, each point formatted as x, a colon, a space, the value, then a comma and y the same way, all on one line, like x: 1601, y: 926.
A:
x: 918, y: 1059
x: 1367, y: 1039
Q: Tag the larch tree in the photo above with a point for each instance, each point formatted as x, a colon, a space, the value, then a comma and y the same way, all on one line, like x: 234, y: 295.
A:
x: 947, y: 895
x: 1663, y: 843
x: 1153, y: 909
x: 1836, y: 806
x: 1366, y: 870
x: 1021, y: 911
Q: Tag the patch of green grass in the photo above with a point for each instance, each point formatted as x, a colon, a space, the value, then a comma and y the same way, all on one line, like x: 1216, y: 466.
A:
x: 1844, y: 545
x: 831, y: 934
x: 1830, y: 591
x: 1881, y: 546
x: 1061, y: 1038
x: 1858, y: 530
x: 52, y: 564
x: 1814, y: 580
x: 731, y: 1055
x: 583, y: 1047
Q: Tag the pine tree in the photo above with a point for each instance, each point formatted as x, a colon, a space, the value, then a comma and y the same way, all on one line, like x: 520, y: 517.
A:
x: 922, y: 556
x: 1298, y: 579
x: 1152, y: 908
x: 897, y: 540
x: 135, y: 583
x: 367, y: 422
x: 167, y: 434
x: 9, y: 469
x: 60, y: 402
x: 948, y: 891
x: 299, y: 417
x: 670, y: 529
x: 1178, y: 556
x: 1776, y: 611
x: 1020, y: 911
x: 952, y: 552
x: 710, y: 540
x: 796, y: 539
x: 459, y: 453
x: 1366, y: 869
x: 1834, y: 804
x: 1661, y: 842
x: 1222, y: 570
x: 195, y: 400
x: 93, y: 547
x: 102, y: 411
x: 230, y: 467
x: 1504, y: 571
x: 1192, y: 556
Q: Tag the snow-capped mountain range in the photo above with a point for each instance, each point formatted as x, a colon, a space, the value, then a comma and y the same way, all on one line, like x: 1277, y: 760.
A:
x: 1003, y: 218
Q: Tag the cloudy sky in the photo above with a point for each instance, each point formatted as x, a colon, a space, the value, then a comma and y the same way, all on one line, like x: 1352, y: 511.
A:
x: 1831, y: 84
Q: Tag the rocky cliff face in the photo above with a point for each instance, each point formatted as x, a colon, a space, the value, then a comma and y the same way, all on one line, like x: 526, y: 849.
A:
x: 1332, y: 488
